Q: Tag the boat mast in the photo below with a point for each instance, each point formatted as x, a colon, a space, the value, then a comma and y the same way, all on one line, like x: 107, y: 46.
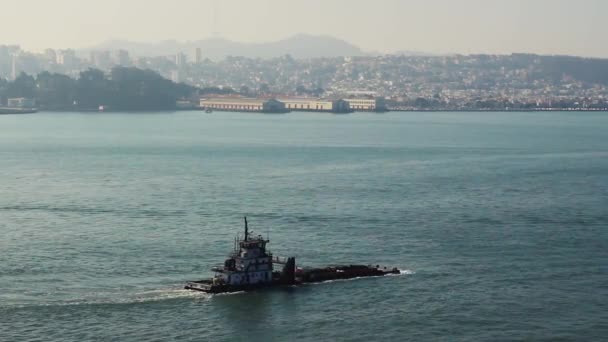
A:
x: 246, y: 229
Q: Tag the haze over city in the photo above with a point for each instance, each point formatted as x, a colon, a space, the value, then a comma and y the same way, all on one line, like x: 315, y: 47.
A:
x: 431, y: 26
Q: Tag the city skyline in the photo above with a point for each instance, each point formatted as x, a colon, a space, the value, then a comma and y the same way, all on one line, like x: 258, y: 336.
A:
x: 436, y: 26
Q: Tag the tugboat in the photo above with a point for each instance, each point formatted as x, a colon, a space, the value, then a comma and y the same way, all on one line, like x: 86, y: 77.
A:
x: 250, y: 266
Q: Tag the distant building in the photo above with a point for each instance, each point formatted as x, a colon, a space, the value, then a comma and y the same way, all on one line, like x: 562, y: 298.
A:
x: 198, y: 55
x: 50, y: 55
x: 142, y: 63
x: 21, y: 102
x: 243, y: 104
x: 308, y: 104
x: 367, y: 105
x: 180, y: 59
x: 66, y: 58
x: 185, y: 104
x: 121, y: 57
x: 14, y: 66
x: 361, y: 93
x: 175, y: 76
x: 101, y: 59
x: 11, y: 49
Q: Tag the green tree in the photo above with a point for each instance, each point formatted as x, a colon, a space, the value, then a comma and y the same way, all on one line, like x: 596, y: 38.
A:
x: 55, y: 91
x: 23, y: 86
x: 264, y: 88
x: 136, y: 89
x: 3, y: 90
x: 92, y: 89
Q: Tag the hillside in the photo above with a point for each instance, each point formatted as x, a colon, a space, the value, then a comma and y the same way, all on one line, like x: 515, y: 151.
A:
x: 298, y: 46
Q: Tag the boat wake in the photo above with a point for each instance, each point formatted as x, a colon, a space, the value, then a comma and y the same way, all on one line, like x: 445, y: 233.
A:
x: 115, y: 298
x: 157, y: 295
x: 167, y: 294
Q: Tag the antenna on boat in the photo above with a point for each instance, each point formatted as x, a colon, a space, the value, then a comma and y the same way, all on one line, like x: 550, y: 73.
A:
x: 246, y: 229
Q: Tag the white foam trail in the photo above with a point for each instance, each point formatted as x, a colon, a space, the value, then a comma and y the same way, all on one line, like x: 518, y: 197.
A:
x: 101, y: 298
x: 166, y: 294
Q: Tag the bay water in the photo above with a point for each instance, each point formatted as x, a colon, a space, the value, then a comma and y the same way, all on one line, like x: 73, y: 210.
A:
x: 498, y: 220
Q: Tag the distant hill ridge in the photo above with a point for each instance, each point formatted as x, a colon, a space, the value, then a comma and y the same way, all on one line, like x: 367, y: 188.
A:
x: 298, y: 46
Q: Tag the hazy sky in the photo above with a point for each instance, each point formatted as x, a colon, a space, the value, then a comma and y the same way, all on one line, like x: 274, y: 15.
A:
x: 577, y: 27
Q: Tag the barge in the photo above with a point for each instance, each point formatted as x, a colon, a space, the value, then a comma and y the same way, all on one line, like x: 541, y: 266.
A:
x: 251, y: 266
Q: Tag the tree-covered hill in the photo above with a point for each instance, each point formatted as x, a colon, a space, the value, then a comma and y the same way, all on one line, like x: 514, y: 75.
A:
x: 123, y: 89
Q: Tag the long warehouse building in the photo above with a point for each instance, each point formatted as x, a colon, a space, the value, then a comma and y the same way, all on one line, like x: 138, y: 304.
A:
x: 243, y: 104
x: 307, y: 104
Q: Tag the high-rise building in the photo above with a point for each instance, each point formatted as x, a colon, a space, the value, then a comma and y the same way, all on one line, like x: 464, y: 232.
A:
x: 66, y: 58
x: 9, y: 60
x: 180, y: 59
x: 198, y: 55
x: 50, y: 55
x: 121, y: 57
x: 15, y: 66
x: 101, y: 59
x: 12, y: 49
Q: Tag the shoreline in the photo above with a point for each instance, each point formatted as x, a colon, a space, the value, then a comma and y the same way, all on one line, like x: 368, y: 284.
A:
x: 504, y: 110
x: 325, y: 112
x: 13, y: 111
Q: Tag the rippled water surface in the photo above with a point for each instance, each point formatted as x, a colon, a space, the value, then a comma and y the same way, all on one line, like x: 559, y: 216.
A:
x: 498, y: 219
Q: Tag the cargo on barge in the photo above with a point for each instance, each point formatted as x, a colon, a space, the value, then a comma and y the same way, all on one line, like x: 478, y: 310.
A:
x: 251, y: 266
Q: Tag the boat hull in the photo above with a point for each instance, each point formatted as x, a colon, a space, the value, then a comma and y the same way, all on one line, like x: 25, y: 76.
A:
x: 226, y: 288
x: 314, y: 275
